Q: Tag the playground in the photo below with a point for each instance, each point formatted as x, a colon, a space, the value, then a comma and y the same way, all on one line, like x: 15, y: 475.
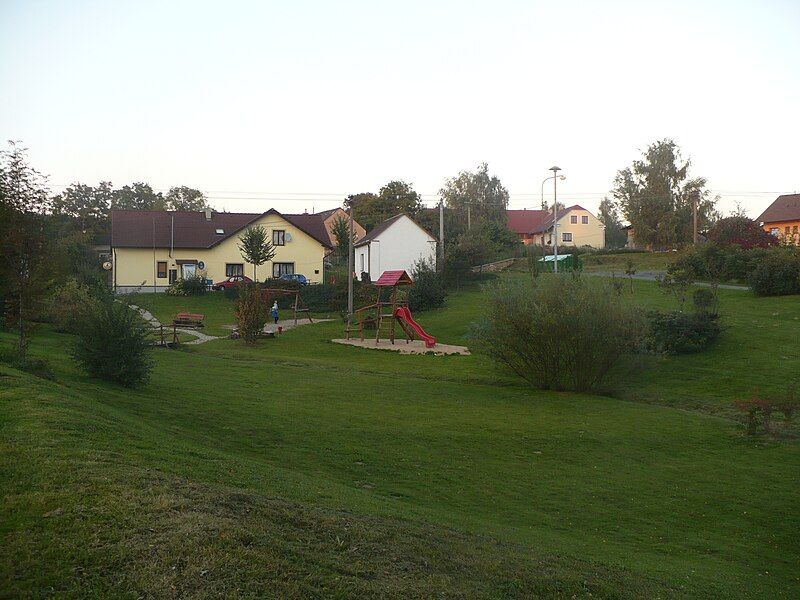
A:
x: 385, y: 316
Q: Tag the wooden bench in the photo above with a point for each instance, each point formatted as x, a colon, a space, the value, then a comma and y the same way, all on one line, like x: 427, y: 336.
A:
x: 188, y: 320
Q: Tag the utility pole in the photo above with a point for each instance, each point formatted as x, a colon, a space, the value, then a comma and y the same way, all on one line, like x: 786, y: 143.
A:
x: 441, y: 234
x: 555, y: 171
x: 350, y: 259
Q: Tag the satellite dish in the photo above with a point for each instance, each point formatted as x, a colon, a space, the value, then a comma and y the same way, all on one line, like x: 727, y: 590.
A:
x: 107, y: 265
x: 287, y: 237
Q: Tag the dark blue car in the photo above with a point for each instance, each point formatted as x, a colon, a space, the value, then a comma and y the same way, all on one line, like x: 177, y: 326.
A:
x: 301, y: 279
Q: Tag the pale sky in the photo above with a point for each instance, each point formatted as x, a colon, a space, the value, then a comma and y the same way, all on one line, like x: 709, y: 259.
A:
x: 295, y: 104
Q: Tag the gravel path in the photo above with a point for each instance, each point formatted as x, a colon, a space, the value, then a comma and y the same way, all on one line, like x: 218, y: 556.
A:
x: 200, y: 338
x: 653, y: 275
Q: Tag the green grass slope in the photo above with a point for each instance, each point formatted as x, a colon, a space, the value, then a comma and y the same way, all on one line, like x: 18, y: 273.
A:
x: 301, y: 468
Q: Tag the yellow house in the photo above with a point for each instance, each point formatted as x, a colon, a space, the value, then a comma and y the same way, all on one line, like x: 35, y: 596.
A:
x: 576, y: 227
x: 151, y: 249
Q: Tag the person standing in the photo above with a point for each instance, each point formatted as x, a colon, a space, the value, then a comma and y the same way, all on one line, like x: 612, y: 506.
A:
x: 275, y: 312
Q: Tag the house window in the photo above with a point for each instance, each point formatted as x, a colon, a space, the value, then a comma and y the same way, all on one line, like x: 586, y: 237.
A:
x: 220, y: 232
x: 280, y: 269
x: 573, y: 219
x: 362, y: 262
x: 566, y: 237
x: 775, y: 231
x: 173, y: 275
x: 162, y: 269
x: 788, y: 229
x: 278, y: 237
x: 234, y: 269
x: 585, y: 219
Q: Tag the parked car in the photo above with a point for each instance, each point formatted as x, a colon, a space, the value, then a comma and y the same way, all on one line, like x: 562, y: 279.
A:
x: 297, y: 277
x: 231, y: 281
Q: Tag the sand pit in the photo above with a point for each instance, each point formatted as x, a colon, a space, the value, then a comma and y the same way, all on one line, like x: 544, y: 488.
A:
x: 412, y: 347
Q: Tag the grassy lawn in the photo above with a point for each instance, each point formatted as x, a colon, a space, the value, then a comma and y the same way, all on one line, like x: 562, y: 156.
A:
x: 303, y: 468
x: 642, y: 261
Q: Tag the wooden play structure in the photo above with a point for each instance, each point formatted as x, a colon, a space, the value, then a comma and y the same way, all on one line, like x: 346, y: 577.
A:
x: 270, y: 294
x: 386, y: 314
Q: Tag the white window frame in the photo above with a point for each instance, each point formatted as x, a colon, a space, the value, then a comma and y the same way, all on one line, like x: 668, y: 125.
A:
x: 573, y: 219
x: 278, y: 269
x: 584, y: 219
x: 279, y: 237
x: 230, y: 272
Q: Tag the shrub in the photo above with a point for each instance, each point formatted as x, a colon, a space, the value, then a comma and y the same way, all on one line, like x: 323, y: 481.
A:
x: 682, y: 333
x: 113, y: 343
x: 428, y: 289
x: 759, y: 410
x: 560, y: 332
x: 190, y: 286
x: 741, y: 231
x: 778, y: 274
x: 251, y: 313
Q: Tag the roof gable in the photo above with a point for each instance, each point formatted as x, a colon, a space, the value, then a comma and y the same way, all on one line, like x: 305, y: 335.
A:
x: 784, y: 208
x: 381, y: 227
x: 191, y: 229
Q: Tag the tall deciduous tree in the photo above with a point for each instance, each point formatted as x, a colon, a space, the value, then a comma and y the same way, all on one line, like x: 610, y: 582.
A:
x: 393, y: 198
x: 608, y: 214
x: 137, y: 196
x: 25, y: 273
x: 185, y: 198
x: 256, y: 248
x: 656, y: 196
x: 480, y: 193
x: 85, y: 204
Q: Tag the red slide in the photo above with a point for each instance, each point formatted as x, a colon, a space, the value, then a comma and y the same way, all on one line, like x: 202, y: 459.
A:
x: 404, y: 315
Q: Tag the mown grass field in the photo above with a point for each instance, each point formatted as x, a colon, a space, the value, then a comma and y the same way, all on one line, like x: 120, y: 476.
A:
x: 303, y: 468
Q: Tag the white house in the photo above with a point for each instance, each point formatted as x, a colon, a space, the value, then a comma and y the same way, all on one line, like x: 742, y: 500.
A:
x: 397, y: 243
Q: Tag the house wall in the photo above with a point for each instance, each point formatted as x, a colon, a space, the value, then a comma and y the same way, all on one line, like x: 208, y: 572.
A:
x: 399, y: 247
x: 133, y: 267
x: 793, y: 234
x: 591, y: 234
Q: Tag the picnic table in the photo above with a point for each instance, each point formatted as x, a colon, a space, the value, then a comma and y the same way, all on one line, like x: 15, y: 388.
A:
x: 184, y: 319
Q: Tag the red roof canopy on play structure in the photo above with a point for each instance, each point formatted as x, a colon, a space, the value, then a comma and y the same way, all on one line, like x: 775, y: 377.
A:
x: 392, y: 278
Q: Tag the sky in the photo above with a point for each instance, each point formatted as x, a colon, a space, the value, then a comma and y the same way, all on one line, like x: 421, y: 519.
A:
x: 294, y: 105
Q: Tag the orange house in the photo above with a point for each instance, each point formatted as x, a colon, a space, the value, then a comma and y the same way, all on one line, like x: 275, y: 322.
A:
x: 782, y: 218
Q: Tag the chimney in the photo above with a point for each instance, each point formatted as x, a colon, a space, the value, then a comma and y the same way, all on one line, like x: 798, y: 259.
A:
x: 208, y: 214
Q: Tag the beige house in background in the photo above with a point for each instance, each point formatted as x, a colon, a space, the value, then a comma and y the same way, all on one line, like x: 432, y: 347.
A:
x: 151, y: 249
x: 329, y: 217
x: 576, y: 227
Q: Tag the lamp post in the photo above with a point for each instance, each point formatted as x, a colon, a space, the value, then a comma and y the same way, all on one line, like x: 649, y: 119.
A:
x: 555, y: 177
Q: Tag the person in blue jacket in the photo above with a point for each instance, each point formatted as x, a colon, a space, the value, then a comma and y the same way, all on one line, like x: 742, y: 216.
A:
x: 275, y: 312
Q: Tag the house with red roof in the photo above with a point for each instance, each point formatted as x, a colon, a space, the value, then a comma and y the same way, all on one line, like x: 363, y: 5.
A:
x: 150, y: 249
x: 782, y: 218
x: 577, y: 226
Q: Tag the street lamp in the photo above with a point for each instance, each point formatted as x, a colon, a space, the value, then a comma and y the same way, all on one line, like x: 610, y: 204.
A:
x: 555, y: 177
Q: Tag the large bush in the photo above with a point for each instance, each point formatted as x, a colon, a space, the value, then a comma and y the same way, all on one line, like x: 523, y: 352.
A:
x: 564, y: 333
x: 777, y: 274
x: 428, y: 289
x: 682, y: 333
x: 190, y: 286
x: 250, y: 312
x: 113, y: 343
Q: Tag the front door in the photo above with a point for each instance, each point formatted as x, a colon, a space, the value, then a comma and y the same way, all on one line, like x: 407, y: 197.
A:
x: 189, y: 271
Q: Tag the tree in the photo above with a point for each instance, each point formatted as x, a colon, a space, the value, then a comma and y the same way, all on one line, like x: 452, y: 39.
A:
x: 394, y: 198
x: 85, y: 204
x: 341, y: 233
x: 25, y: 273
x: 656, y: 196
x: 185, y: 198
x: 137, y: 196
x: 256, y: 247
x: 480, y: 194
x: 741, y: 231
x: 609, y: 217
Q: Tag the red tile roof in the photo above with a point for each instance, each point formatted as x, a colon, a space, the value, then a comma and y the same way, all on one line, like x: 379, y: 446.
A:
x: 529, y: 221
x: 785, y: 208
x: 535, y: 220
x: 390, y: 278
x: 162, y: 229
